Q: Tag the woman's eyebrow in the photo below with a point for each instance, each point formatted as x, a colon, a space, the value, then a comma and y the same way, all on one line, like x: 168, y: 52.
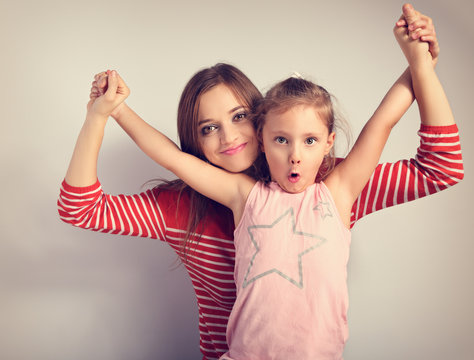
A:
x: 200, y: 122
x: 236, y: 108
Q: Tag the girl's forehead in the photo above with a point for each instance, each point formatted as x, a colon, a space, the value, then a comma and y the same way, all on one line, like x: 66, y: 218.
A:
x: 296, y: 117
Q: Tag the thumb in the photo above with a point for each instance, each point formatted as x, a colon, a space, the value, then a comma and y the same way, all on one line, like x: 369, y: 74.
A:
x: 113, y: 84
x: 409, y: 13
x: 121, y: 86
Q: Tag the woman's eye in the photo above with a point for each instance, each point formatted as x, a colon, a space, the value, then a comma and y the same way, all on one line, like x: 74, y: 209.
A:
x: 240, y: 116
x: 208, y: 129
x: 281, y: 140
x: 310, y: 141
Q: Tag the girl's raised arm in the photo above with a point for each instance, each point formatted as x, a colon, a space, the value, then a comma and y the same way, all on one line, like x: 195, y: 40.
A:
x: 438, y: 161
x: 229, y: 189
x: 349, y: 178
x: 82, y: 169
x: 432, y: 102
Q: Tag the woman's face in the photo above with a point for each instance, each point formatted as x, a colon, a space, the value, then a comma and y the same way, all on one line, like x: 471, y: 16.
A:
x: 226, y: 135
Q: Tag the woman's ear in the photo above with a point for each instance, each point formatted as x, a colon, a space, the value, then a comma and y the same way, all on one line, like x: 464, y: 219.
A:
x: 330, y: 143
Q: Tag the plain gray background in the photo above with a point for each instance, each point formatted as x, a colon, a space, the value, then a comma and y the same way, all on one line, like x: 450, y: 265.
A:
x: 71, y: 294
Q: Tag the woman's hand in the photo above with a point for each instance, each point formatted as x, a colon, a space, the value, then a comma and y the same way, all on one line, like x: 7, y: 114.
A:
x: 108, y: 94
x: 413, y: 26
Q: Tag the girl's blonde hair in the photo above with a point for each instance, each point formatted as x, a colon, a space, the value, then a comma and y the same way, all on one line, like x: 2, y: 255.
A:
x: 286, y: 94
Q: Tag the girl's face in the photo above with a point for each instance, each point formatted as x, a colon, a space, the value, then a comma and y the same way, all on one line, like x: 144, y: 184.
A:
x: 295, y: 143
x: 226, y: 135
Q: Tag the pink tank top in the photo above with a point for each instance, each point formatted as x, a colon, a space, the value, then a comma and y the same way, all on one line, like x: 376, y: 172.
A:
x: 291, y: 277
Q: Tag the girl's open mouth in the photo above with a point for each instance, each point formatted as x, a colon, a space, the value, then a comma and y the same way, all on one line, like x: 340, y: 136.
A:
x: 293, y: 177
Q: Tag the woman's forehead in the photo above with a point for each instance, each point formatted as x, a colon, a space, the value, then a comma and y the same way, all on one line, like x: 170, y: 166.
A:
x: 217, y: 102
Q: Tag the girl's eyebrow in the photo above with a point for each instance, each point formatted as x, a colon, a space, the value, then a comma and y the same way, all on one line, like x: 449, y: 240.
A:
x: 200, y: 122
x: 289, y: 132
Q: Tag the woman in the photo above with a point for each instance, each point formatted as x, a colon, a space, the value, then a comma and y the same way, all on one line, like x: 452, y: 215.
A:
x: 215, y: 127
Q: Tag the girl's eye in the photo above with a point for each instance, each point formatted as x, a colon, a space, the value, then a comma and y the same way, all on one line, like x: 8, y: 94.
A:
x: 310, y: 141
x: 206, y: 130
x: 240, y: 116
x: 281, y: 140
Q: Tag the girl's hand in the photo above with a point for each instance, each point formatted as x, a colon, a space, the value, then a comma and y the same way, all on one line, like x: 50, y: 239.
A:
x: 416, y: 26
x: 108, y: 94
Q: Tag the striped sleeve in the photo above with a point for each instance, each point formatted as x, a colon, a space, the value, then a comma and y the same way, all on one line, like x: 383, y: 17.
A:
x: 437, y: 165
x: 90, y: 208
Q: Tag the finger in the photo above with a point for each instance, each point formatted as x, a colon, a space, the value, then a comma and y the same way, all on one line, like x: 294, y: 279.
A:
x: 96, y: 88
x: 409, y: 13
x: 113, y: 83
x: 102, y: 82
x: 429, y: 39
x: 420, y: 24
x: 433, y: 47
x: 424, y: 32
x: 122, y: 87
x: 98, y: 75
x: 401, y: 23
x: 415, y: 34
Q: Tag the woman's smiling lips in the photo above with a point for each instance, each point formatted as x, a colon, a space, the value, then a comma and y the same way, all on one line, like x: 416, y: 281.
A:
x: 234, y: 150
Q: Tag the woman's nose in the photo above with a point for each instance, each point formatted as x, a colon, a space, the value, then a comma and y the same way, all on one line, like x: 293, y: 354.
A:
x: 228, y: 134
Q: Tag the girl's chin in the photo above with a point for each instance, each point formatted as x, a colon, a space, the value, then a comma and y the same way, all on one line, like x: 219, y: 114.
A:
x: 294, y: 188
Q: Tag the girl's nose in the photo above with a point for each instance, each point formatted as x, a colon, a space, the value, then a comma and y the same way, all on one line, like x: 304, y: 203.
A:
x: 295, y: 157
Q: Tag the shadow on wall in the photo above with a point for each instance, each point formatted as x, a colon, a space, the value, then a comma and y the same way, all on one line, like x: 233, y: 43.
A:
x: 82, y: 294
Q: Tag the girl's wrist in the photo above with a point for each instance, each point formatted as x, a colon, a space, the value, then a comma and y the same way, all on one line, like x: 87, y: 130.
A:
x: 119, y: 111
x: 421, y: 63
x: 95, y: 120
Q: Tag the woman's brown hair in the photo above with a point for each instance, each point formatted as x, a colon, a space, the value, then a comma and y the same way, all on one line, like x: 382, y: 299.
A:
x: 188, y: 112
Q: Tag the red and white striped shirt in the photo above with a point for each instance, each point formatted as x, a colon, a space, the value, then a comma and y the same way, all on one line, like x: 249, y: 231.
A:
x: 210, y: 263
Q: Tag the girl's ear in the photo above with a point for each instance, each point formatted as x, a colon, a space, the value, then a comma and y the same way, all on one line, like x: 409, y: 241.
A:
x: 330, y: 143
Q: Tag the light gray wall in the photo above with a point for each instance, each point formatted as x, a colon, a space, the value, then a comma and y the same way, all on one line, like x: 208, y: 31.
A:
x: 71, y: 294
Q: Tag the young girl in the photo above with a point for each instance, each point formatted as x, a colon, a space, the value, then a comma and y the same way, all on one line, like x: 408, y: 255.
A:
x: 155, y: 213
